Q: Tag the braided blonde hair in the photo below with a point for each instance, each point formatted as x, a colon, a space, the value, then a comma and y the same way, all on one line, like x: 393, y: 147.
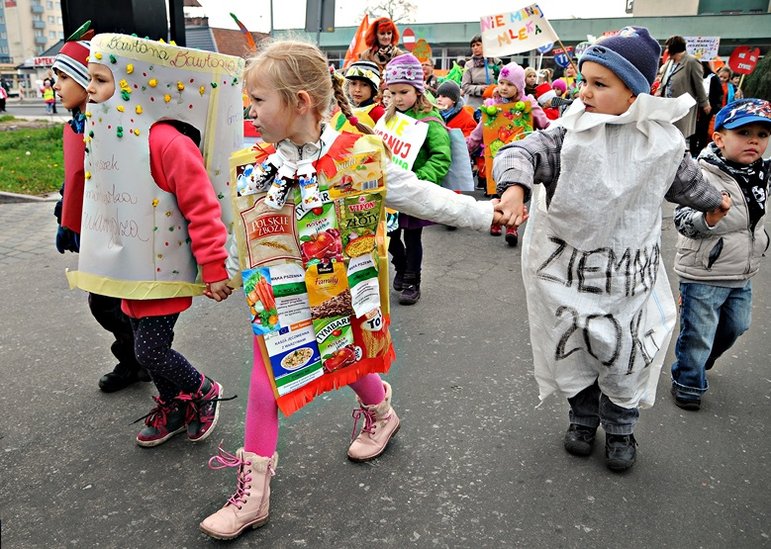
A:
x: 292, y: 66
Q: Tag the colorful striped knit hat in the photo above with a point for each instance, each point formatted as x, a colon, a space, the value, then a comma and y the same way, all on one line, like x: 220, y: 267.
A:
x: 73, y: 61
x: 73, y: 57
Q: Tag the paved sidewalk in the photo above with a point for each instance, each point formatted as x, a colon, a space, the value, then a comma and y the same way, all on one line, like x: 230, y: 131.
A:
x: 27, y: 230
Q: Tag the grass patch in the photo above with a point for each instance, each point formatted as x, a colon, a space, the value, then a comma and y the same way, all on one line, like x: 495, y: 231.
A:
x: 31, y: 160
x: 7, y: 118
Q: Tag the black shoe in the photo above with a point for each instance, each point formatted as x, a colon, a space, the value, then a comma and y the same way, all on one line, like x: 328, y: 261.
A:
x: 686, y: 402
x: 398, y: 284
x: 121, y: 377
x: 579, y: 440
x: 512, y: 237
x: 620, y: 451
x: 410, y: 295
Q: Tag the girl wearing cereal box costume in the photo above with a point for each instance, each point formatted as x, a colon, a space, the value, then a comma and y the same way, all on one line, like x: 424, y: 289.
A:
x: 160, y: 125
x: 311, y: 226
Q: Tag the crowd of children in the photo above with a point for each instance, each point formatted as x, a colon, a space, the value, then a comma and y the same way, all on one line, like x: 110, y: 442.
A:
x: 586, y: 207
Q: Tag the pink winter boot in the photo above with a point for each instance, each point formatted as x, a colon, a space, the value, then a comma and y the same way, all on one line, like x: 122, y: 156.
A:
x: 249, y: 506
x: 380, y: 424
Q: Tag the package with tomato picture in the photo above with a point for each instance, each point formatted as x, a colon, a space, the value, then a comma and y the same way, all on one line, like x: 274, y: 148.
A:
x: 318, y: 233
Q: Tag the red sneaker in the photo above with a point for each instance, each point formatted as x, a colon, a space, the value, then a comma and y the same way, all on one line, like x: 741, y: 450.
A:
x: 512, y: 237
x: 495, y: 230
x: 163, y: 422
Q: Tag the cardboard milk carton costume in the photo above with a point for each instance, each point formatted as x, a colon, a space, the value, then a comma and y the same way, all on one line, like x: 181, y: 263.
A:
x: 134, y: 240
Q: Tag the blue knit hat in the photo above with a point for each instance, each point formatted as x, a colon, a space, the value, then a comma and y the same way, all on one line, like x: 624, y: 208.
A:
x: 632, y: 55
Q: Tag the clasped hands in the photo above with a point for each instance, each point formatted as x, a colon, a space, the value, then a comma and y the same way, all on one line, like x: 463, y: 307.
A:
x: 218, y: 291
x: 510, y: 209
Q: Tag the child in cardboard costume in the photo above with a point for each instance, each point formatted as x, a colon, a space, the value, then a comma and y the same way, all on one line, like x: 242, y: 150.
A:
x: 152, y: 231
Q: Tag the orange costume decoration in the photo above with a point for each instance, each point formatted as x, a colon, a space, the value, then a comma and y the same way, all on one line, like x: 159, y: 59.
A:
x: 502, y: 124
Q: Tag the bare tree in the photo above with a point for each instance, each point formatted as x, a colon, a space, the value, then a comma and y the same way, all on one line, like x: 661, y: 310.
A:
x: 398, y: 11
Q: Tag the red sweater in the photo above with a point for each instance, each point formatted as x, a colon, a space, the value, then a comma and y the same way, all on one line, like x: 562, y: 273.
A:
x: 74, y: 154
x: 463, y: 121
x: 377, y: 112
x: 177, y: 167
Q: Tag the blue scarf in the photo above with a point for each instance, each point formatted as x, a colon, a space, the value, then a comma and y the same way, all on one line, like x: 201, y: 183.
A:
x: 78, y: 122
x: 447, y: 114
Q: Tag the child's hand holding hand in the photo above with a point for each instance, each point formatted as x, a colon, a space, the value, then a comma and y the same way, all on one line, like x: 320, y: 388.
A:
x: 510, y: 209
x: 218, y: 291
x: 713, y: 216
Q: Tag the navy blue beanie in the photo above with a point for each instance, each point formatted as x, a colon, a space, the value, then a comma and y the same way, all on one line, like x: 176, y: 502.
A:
x: 632, y: 55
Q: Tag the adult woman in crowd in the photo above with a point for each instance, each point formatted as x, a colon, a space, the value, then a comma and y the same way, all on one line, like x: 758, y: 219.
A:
x: 381, y: 39
x: 479, y: 74
x: 683, y: 74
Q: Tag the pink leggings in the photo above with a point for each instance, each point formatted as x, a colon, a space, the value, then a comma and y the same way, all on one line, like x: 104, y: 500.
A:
x: 261, y: 429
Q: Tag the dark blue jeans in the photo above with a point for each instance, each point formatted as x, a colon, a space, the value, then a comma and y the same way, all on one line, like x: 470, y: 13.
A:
x: 591, y: 407
x: 711, y: 320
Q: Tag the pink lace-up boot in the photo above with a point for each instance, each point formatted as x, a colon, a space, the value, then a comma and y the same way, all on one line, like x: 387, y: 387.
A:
x: 380, y: 424
x: 249, y: 506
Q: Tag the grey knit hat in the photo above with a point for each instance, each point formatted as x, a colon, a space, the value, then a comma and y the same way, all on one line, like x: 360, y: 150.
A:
x: 450, y: 90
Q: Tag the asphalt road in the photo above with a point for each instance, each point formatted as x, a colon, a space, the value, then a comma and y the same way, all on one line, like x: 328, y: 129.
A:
x: 476, y: 463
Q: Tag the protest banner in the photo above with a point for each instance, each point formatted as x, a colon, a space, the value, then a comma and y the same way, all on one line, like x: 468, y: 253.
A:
x: 743, y: 59
x: 514, y: 32
x: 703, y: 48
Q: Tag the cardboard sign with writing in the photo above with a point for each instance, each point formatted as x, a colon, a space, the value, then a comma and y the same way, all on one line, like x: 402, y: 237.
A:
x: 515, y: 32
x: 404, y: 136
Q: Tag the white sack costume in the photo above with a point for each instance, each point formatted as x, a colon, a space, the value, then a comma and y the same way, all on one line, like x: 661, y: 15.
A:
x: 598, y: 297
x: 134, y: 240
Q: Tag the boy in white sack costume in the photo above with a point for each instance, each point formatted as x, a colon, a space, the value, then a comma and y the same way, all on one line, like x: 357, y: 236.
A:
x: 600, y: 308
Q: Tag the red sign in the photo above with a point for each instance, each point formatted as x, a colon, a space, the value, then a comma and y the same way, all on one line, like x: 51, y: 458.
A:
x: 743, y: 59
x: 408, y: 39
x: 10, y: 3
x: 43, y: 61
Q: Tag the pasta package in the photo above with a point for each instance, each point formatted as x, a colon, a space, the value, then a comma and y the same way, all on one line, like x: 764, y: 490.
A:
x: 371, y: 335
x: 358, y: 218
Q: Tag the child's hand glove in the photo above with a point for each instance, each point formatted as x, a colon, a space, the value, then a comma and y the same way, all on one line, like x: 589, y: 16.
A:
x: 67, y: 240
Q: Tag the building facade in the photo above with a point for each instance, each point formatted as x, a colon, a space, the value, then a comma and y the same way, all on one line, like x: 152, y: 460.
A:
x: 27, y: 29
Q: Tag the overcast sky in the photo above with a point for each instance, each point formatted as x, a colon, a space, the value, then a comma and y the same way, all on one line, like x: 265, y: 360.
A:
x: 255, y: 14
